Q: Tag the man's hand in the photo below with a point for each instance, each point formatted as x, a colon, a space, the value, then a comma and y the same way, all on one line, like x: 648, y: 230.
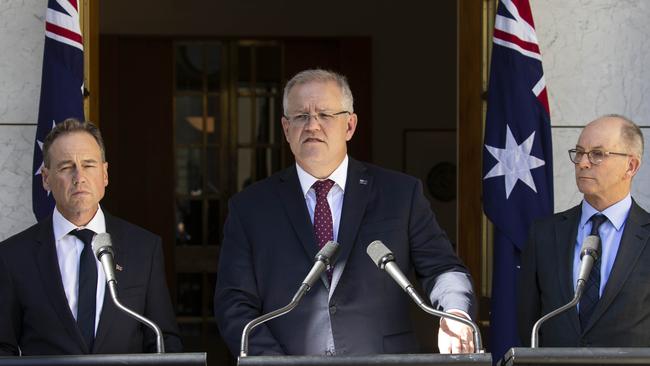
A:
x: 455, y: 337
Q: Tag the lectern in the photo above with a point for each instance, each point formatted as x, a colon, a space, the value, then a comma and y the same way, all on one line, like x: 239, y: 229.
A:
x: 576, y: 356
x: 141, y: 359
x: 374, y: 360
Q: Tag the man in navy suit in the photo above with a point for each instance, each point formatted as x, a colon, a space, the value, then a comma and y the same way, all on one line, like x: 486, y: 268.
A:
x: 275, y: 227
x: 53, y: 294
x: 614, y: 309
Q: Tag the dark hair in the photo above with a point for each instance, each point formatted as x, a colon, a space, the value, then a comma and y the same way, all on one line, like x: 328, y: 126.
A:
x: 71, y: 125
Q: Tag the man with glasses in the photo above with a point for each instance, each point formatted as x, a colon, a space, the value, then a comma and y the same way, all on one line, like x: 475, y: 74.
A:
x: 614, y: 309
x: 275, y: 227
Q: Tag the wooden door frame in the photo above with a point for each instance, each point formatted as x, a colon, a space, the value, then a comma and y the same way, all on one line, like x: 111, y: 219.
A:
x: 474, y: 246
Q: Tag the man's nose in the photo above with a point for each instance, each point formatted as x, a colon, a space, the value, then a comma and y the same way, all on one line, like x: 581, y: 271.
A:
x: 584, y: 161
x: 312, y: 122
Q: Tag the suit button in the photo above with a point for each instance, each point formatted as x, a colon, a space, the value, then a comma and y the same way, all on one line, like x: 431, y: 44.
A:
x: 332, y: 309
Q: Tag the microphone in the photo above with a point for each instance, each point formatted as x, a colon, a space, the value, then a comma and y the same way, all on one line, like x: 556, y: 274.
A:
x: 590, y: 247
x: 384, y: 259
x: 324, y: 259
x: 103, y: 249
x: 589, y: 254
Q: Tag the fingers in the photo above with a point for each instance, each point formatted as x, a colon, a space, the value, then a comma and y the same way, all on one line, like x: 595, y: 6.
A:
x: 455, y: 337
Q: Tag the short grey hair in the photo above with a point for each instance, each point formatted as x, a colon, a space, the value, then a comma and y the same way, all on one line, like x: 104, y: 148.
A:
x: 630, y: 134
x: 320, y: 75
x: 71, y: 125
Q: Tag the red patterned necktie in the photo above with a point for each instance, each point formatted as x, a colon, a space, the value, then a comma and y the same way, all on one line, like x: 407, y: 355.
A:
x: 323, y: 226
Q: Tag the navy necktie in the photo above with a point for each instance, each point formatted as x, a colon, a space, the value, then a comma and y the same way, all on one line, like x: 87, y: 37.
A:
x: 592, y: 287
x: 86, y: 306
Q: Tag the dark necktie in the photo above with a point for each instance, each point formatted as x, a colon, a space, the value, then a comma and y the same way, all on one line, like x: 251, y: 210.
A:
x: 323, y: 227
x: 592, y: 287
x: 87, y: 296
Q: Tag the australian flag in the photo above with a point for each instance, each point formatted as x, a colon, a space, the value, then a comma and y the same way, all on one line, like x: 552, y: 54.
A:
x: 517, y: 160
x: 61, y: 87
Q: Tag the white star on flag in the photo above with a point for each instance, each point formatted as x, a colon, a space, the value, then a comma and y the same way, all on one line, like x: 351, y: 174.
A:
x: 514, y: 162
x: 40, y: 145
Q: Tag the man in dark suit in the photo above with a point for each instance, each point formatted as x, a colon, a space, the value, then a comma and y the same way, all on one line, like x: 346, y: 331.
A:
x: 615, y: 307
x: 53, y: 294
x: 275, y: 227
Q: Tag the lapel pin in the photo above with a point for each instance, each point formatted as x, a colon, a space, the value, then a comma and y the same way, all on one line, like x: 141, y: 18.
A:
x: 118, y: 267
x: 363, y: 181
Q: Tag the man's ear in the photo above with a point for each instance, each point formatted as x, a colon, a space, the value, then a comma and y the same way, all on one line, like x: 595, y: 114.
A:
x: 105, y: 167
x: 45, y: 174
x: 351, y: 126
x: 633, y: 166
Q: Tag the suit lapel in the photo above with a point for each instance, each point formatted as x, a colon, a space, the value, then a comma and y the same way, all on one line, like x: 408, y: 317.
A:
x: 50, y: 272
x: 357, y: 190
x: 109, y: 310
x: 565, y: 239
x: 296, y: 209
x: 634, y: 240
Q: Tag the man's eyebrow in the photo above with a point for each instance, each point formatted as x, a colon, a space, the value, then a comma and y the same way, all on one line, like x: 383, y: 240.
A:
x: 64, y: 162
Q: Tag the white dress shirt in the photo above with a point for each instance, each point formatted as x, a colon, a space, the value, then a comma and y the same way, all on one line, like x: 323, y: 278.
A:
x: 68, y: 252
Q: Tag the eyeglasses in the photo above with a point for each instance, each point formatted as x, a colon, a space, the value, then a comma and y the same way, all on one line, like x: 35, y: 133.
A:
x: 595, y: 156
x: 322, y: 117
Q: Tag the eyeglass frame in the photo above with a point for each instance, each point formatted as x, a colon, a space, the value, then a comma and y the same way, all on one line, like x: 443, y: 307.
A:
x: 589, y: 155
x: 320, y: 116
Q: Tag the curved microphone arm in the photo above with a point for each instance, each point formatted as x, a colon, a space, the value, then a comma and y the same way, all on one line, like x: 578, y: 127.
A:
x: 243, y: 352
x: 534, y: 336
x: 160, y: 345
x: 441, y: 314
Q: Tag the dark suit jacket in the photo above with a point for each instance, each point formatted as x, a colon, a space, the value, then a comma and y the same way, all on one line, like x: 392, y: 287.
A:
x: 622, y: 316
x: 269, y: 246
x: 34, y: 311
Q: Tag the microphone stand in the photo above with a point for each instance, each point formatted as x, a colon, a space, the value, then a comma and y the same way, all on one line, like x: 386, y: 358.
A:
x: 441, y: 314
x: 268, y: 316
x: 160, y: 345
x: 534, y: 337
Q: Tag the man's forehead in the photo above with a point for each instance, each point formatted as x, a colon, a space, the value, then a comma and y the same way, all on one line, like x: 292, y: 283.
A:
x: 321, y: 95
x: 599, y: 135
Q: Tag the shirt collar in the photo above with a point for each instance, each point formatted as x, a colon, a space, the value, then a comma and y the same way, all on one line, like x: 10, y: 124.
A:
x: 62, y: 226
x: 616, y: 213
x: 339, y: 176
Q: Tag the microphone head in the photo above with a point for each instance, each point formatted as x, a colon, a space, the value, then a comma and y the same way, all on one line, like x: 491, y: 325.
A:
x: 377, y: 252
x: 591, y: 246
x: 102, y: 244
x: 328, y: 252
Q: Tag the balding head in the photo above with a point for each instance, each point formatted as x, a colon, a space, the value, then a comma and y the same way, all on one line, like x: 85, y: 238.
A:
x: 630, y: 134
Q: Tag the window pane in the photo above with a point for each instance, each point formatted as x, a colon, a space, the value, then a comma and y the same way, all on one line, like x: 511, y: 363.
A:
x: 266, y: 120
x: 244, y: 119
x: 189, y: 67
x: 189, y: 222
x: 267, y: 162
x: 244, y: 67
x: 213, y: 183
x: 268, y: 64
x: 188, y: 171
x: 213, y: 66
x: 244, y: 166
x: 214, y: 222
x: 189, y: 119
x: 214, y: 119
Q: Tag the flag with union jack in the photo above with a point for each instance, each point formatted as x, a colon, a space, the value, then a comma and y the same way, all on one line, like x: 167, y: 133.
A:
x: 61, y: 87
x: 517, y: 159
